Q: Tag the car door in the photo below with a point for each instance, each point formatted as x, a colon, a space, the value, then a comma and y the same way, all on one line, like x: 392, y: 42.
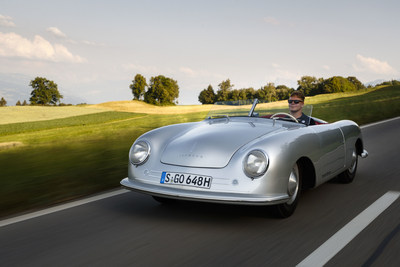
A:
x: 332, y: 150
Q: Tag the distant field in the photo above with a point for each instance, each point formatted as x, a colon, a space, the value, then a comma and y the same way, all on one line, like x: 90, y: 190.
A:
x: 53, y: 154
x: 14, y: 114
x: 141, y: 107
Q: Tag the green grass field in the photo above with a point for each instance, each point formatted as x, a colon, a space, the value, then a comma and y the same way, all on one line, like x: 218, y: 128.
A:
x: 70, y: 155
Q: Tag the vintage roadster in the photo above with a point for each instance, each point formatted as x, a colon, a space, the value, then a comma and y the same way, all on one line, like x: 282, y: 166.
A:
x: 243, y: 153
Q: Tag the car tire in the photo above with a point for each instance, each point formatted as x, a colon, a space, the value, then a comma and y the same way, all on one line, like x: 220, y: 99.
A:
x: 294, y: 188
x: 348, y: 175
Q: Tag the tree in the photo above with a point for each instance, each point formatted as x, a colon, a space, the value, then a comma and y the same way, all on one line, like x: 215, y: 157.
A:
x: 18, y: 103
x: 207, y: 96
x: 356, y: 82
x: 337, y: 84
x: 283, y: 92
x: 224, y: 89
x: 44, y: 92
x: 138, y: 86
x: 162, y: 91
x: 3, y: 102
x: 24, y: 103
x: 234, y: 95
x: 309, y: 85
x: 267, y: 92
x: 248, y: 93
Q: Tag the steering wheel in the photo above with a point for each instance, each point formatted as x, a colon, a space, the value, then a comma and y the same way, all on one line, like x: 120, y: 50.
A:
x: 285, y: 114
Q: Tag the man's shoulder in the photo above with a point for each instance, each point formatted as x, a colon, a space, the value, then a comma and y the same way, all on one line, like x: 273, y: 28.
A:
x: 307, y: 120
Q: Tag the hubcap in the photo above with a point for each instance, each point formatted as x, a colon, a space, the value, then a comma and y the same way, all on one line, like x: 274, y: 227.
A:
x: 293, y: 184
x: 353, y: 162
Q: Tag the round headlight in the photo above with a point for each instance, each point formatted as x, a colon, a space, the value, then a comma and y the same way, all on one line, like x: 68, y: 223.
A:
x: 255, y: 164
x: 139, y: 152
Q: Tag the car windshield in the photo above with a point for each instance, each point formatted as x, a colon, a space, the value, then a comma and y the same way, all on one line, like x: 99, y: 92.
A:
x: 253, y: 108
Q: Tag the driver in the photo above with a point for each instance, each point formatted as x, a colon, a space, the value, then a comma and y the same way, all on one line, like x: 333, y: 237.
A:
x: 296, y: 103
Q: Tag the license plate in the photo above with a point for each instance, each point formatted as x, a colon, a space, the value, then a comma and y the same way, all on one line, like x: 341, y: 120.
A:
x: 194, y: 180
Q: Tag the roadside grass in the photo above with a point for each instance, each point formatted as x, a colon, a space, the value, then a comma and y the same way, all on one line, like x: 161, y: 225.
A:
x: 81, y: 120
x: 59, y: 164
x: 48, y: 162
x: 371, y: 106
x: 34, y: 177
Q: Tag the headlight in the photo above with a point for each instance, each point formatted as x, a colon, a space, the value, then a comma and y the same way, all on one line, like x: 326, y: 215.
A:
x: 139, y: 152
x: 255, y: 164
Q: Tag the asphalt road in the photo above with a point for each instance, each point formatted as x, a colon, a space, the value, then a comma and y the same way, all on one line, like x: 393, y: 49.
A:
x: 131, y: 229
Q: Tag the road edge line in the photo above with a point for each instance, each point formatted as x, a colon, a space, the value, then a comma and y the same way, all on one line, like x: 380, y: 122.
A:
x: 60, y: 207
x: 340, y: 239
x: 379, y: 122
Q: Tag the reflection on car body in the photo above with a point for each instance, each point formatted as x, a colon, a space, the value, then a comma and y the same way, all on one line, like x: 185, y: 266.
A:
x: 243, y: 153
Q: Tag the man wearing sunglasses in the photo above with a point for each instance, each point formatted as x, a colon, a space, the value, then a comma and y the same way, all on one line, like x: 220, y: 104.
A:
x: 296, y: 103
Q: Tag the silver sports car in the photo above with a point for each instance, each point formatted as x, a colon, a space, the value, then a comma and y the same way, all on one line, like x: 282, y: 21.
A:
x: 244, y: 153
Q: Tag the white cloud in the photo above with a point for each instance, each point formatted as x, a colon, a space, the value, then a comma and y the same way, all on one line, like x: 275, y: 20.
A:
x: 59, y: 34
x: 14, y: 45
x: 6, y: 21
x: 368, y: 64
x: 56, y: 32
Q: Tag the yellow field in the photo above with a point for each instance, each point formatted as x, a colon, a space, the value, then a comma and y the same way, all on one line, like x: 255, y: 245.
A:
x: 142, y: 107
x: 14, y: 114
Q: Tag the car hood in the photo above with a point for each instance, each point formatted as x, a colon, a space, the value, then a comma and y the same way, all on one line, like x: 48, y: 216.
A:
x: 212, y: 145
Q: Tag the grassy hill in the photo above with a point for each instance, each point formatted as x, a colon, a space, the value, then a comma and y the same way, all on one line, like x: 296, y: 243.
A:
x: 53, y: 154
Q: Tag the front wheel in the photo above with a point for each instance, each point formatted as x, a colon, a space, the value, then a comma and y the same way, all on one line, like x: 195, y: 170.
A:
x: 348, y: 175
x: 294, y: 188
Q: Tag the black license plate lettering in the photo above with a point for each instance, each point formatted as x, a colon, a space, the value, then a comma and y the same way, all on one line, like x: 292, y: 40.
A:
x: 186, y: 179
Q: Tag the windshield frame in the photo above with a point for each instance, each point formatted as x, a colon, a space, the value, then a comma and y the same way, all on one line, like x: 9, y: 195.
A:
x: 252, y: 108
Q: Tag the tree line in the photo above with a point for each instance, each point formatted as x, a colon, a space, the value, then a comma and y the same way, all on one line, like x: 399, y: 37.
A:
x: 309, y: 85
x: 164, y: 91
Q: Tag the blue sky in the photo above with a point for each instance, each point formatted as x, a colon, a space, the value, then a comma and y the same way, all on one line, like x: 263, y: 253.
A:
x: 93, y: 49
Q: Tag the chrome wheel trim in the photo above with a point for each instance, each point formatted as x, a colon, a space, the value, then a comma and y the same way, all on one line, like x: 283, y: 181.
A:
x: 353, y: 164
x: 293, y: 184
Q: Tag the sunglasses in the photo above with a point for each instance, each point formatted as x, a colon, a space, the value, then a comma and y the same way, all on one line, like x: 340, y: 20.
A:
x: 294, y: 101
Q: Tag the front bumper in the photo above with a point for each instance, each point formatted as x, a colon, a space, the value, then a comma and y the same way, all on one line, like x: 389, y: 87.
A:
x: 203, y: 196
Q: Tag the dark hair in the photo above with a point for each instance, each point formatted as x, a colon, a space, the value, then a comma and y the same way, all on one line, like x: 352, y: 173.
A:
x: 299, y: 94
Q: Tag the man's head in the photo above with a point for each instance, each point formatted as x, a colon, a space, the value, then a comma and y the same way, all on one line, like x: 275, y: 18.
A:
x: 296, y: 102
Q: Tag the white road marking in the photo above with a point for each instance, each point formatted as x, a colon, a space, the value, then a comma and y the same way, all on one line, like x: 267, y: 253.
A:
x: 60, y: 207
x: 379, y: 122
x: 339, y: 240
